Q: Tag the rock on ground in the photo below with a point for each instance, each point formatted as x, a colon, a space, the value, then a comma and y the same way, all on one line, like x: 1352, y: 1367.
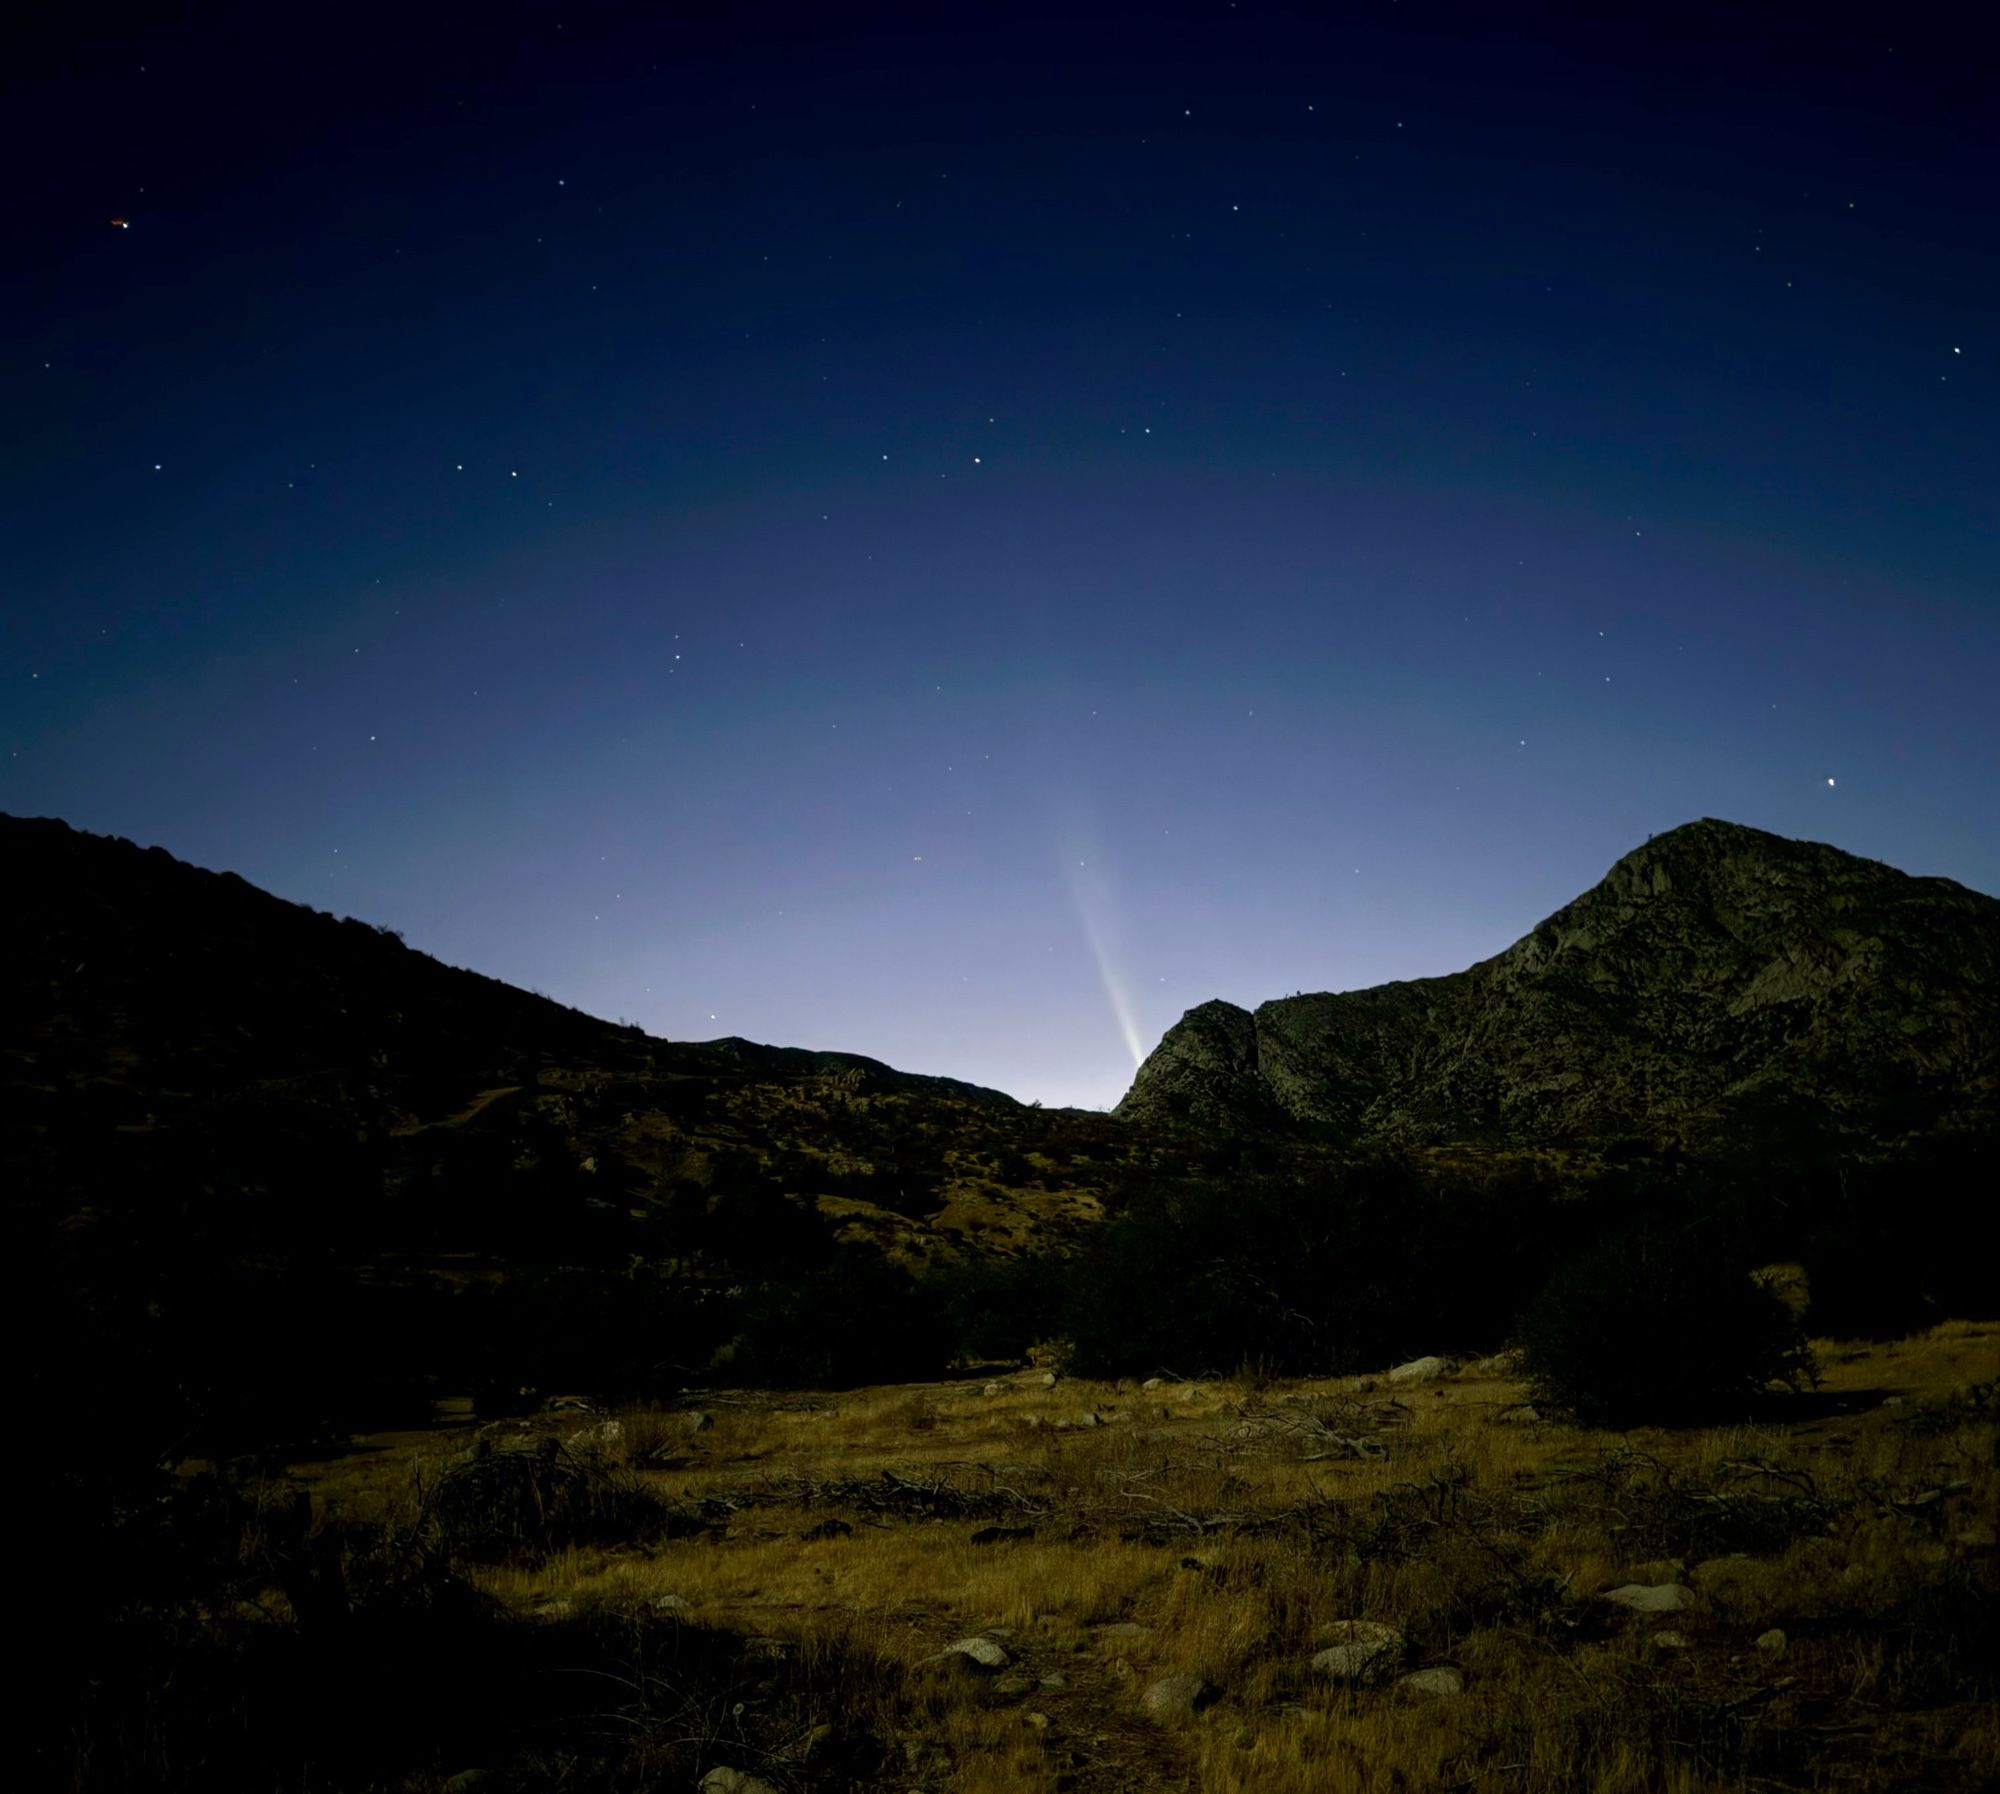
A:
x: 1358, y: 1649
x: 985, y: 1652
x: 1419, y: 1370
x: 1772, y: 1643
x: 734, y: 1781
x: 1432, y: 1681
x: 1176, y: 1695
x: 1658, y: 1597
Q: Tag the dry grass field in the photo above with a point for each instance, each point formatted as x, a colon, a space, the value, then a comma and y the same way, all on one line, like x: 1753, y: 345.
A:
x: 1827, y: 1584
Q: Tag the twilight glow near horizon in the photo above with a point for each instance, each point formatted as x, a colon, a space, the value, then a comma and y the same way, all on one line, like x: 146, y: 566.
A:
x: 957, y: 534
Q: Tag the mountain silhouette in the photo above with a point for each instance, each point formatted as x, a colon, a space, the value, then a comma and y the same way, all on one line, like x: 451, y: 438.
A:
x: 1719, y: 982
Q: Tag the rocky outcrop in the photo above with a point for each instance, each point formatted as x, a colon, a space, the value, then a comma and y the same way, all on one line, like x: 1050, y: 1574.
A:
x: 1718, y: 977
x: 1205, y: 1070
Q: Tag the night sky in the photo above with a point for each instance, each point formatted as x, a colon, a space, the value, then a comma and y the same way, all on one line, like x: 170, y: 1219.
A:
x: 957, y: 532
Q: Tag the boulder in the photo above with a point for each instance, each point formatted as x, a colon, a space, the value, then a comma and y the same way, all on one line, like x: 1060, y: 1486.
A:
x: 734, y: 1781
x: 1772, y: 1643
x: 983, y: 1653
x: 1656, y: 1597
x: 1358, y: 1650
x: 1419, y: 1370
x: 1175, y: 1696
x: 1443, y: 1681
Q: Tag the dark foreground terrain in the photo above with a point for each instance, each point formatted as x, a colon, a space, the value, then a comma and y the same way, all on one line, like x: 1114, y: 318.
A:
x: 1025, y: 1584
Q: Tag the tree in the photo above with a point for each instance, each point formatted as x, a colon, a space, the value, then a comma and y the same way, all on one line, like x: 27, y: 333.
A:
x: 1659, y: 1323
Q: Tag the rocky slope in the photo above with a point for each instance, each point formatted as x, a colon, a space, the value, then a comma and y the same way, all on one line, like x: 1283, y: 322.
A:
x: 1719, y: 983
x: 174, y: 1036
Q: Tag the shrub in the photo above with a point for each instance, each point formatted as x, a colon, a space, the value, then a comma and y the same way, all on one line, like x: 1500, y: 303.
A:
x: 997, y: 1309
x: 1356, y: 1263
x: 860, y: 1321
x: 527, y: 1503
x: 1658, y: 1324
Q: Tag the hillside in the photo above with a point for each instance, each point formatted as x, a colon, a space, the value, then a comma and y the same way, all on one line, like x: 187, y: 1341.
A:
x: 1719, y: 985
x: 161, y: 1016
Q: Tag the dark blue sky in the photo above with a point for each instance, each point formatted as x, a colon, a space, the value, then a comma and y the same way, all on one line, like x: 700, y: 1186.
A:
x: 956, y: 533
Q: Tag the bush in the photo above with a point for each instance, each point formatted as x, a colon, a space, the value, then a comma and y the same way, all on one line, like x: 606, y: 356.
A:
x: 575, y: 1329
x: 860, y: 1321
x: 516, y: 1503
x: 1658, y: 1324
x: 1354, y: 1264
x: 997, y: 1309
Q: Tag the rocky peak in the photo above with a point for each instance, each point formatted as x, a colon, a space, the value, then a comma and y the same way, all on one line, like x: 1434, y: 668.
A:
x: 1204, y: 1070
x: 1713, y: 969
